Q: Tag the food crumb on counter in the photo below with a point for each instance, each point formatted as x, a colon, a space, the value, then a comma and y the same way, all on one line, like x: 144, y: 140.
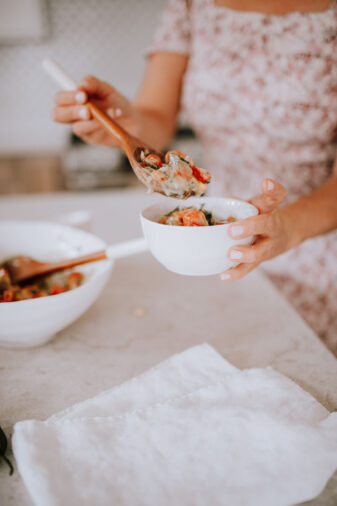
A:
x: 140, y: 312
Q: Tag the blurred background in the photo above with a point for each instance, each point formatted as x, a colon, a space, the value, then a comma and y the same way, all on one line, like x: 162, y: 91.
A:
x: 107, y: 38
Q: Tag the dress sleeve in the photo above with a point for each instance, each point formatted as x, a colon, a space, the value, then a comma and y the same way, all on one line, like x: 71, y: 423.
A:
x: 172, y: 34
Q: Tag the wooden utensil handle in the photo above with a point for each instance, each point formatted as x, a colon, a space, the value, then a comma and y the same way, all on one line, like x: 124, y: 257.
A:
x: 126, y: 141
x: 67, y: 83
x: 109, y: 125
x: 73, y: 262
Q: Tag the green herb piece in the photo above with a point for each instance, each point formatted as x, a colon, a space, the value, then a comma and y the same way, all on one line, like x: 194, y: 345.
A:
x: 180, y: 157
x: 3, y: 448
x: 183, y: 159
x: 173, y: 211
x: 149, y: 164
x: 208, y: 216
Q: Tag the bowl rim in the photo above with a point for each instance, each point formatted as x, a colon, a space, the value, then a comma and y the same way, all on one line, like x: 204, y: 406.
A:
x: 253, y: 208
x: 108, y: 262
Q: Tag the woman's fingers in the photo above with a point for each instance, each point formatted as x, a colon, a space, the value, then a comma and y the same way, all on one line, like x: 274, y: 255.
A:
x: 62, y: 98
x: 267, y: 225
x: 273, y: 194
x: 237, y: 272
x: 93, y: 86
x: 71, y: 113
x: 263, y: 224
x: 92, y: 133
x: 83, y: 128
x: 261, y: 250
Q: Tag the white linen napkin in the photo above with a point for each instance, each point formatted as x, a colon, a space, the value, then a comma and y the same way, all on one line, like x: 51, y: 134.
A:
x: 194, y: 430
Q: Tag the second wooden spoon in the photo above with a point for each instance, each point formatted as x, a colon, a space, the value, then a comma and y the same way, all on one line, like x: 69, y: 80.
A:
x: 23, y: 268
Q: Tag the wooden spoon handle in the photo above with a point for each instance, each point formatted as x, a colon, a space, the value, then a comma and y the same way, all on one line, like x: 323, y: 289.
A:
x: 73, y: 262
x: 113, y: 129
x: 67, y: 83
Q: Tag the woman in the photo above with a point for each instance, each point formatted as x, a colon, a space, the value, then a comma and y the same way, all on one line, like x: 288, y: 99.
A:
x: 258, y: 83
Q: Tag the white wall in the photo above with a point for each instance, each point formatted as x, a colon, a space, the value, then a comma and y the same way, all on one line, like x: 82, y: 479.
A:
x: 106, y: 38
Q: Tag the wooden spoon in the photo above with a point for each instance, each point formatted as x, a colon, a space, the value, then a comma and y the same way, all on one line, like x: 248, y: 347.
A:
x: 132, y: 146
x: 23, y: 268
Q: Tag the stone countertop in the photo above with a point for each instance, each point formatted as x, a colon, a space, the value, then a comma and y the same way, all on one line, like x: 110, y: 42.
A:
x: 145, y: 315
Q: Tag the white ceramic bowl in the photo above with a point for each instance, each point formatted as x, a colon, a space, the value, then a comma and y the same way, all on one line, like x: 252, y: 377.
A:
x: 194, y: 251
x: 35, y: 321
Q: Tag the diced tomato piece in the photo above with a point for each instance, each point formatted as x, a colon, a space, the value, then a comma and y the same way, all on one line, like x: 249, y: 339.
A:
x: 200, y: 174
x: 176, y: 152
x: 8, y: 295
x: 75, y: 276
x: 176, y: 218
x: 195, y: 218
x: 56, y: 289
x: 153, y: 160
x: 74, y: 280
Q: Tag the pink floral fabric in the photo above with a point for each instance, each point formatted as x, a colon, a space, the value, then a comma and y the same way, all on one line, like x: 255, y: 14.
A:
x: 261, y: 93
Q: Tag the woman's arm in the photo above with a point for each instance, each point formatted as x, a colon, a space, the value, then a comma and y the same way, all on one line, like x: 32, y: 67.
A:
x: 158, y: 100
x: 151, y: 117
x: 280, y: 229
x: 313, y: 214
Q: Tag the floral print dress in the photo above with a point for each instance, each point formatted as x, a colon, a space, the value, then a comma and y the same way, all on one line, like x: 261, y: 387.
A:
x: 260, y: 91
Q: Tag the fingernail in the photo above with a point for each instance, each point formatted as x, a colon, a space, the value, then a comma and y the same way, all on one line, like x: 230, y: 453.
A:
x: 111, y: 113
x: 270, y: 185
x: 225, y: 276
x: 83, y: 113
x: 118, y: 112
x: 236, y: 255
x: 236, y: 230
x: 80, y: 97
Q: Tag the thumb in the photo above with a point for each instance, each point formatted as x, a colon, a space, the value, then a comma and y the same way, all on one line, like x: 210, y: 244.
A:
x: 94, y: 86
x: 273, y: 194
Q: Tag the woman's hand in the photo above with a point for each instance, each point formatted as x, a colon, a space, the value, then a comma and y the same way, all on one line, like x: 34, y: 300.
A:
x: 151, y: 117
x: 272, y: 231
x: 71, y: 108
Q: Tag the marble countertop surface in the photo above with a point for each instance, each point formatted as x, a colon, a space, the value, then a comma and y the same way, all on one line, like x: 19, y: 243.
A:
x: 145, y: 315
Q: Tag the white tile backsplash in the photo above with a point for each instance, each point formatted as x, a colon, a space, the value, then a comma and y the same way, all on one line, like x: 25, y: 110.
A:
x: 106, y: 38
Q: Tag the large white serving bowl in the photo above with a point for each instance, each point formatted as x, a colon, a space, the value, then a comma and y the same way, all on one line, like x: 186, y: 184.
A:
x: 35, y: 321
x: 194, y: 251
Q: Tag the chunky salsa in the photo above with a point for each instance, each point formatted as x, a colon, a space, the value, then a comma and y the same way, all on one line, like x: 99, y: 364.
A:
x: 47, y: 285
x: 193, y: 217
x: 177, y: 174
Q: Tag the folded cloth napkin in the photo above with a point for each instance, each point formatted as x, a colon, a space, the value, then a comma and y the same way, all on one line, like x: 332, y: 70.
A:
x: 193, y: 430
